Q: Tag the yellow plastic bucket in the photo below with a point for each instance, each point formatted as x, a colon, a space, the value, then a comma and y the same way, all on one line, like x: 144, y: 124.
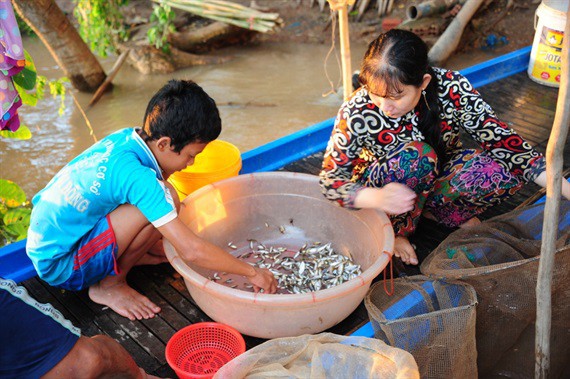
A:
x: 545, y: 57
x: 219, y: 160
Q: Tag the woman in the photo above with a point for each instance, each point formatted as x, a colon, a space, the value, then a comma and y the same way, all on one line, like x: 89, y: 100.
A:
x: 395, y: 144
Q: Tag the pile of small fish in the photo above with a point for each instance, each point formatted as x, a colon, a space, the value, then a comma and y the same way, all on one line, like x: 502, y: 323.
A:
x: 311, y: 268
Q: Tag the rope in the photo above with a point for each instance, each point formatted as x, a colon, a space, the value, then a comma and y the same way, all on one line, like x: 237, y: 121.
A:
x: 391, y: 292
x: 333, y: 48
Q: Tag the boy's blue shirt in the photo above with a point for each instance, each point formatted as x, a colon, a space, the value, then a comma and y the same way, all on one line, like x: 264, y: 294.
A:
x: 119, y: 169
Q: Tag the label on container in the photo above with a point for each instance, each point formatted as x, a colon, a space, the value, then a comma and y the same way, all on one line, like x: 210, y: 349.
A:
x: 548, y: 56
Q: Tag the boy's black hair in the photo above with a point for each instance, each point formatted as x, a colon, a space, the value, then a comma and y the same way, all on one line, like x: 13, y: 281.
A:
x: 183, y: 111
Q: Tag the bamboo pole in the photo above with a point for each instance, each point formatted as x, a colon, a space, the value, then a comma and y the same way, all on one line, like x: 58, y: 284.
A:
x: 228, y: 12
x: 554, y: 163
x: 342, y: 7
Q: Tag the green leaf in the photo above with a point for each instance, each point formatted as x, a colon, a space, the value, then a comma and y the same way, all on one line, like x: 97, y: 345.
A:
x: 11, y: 194
x: 3, y: 210
x: 17, y: 216
x: 22, y: 133
x: 28, y: 98
x: 19, y: 231
x: 27, y: 77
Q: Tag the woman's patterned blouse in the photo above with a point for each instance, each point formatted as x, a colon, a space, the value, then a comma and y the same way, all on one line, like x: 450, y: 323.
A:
x: 363, y: 134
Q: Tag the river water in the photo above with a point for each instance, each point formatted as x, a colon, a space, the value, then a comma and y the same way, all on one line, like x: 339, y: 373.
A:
x: 265, y: 92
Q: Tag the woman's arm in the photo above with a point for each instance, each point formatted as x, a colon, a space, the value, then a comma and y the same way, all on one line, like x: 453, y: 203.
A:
x: 541, y: 181
x: 338, y: 162
x: 393, y: 198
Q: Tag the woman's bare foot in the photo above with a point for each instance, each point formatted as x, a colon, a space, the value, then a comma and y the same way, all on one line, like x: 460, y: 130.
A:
x: 471, y: 222
x: 123, y: 299
x: 405, y: 251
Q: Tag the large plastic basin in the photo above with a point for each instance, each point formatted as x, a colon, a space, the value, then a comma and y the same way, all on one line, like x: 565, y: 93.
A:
x: 254, y: 206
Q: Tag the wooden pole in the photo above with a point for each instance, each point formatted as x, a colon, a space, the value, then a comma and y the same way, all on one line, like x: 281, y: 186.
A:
x: 103, y: 87
x: 342, y: 7
x: 554, y: 162
x: 345, y: 51
x: 449, y: 40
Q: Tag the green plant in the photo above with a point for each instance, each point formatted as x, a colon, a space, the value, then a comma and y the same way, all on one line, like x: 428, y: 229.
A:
x: 25, y: 29
x: 31, y: 86
x: 101, y: 24
x: 162, y: 24
x: 15, y: 210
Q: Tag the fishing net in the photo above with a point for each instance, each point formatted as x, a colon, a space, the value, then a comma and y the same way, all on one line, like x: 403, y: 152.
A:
x: 433, y: 320
x: 500, y: 259
x: 324, y: 355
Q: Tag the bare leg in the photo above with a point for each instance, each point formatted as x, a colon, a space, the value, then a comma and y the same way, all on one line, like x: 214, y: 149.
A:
x: 157, y: 248
x: 405, y: 251
x: 97, y: 357
x: 139, y: 243
x: 135, y: 236
x: 151, y: 259
x: 154, y: 256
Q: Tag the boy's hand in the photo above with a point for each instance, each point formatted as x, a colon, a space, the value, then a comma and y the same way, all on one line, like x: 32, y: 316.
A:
x: 263, y: 279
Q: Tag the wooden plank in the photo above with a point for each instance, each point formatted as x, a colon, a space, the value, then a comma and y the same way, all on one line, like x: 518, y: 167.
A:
x: 168, y: 312
x: 176, y: 294
x: 142, y: 336
x: 139, y: 353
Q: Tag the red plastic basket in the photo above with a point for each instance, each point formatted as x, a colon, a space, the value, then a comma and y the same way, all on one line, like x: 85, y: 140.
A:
x: 201, y: 349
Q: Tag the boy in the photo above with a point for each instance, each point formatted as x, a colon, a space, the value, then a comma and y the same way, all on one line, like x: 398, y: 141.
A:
x: 108, y: 209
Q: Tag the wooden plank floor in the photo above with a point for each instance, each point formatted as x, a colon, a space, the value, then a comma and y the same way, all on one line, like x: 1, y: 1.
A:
x: 527, y: 107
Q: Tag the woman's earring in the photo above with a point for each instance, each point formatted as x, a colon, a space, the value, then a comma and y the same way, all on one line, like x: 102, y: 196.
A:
x: 425, y: 99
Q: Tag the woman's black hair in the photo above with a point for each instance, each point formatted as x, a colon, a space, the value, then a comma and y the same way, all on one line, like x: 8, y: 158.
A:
x: 399, y: 57
x: 182, y: 111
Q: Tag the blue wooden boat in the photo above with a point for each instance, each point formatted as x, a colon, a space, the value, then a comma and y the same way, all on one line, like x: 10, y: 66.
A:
x: 300, y: 151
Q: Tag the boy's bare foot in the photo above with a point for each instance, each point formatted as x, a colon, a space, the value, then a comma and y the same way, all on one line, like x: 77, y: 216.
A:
x: 405, y: 251
x: 471, y: 222
x: 124, y: 300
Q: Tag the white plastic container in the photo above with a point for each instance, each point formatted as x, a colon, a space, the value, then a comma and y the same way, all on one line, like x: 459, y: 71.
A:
x: 255, y: 206
x: 545, y: 57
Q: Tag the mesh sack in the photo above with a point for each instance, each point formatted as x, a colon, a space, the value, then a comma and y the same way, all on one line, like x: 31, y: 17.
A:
x: 500, y: 259
x: 433, y: 320
x: 324, y: 355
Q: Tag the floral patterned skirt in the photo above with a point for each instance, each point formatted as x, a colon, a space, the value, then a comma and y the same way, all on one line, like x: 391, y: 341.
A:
x: 469, y: 183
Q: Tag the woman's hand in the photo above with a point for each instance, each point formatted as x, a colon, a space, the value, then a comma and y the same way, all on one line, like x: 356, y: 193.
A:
x: 393, y: 198
x: 263, y: 279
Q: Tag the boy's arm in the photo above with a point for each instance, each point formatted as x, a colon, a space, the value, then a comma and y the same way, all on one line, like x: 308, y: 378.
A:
x: 196, y: 250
